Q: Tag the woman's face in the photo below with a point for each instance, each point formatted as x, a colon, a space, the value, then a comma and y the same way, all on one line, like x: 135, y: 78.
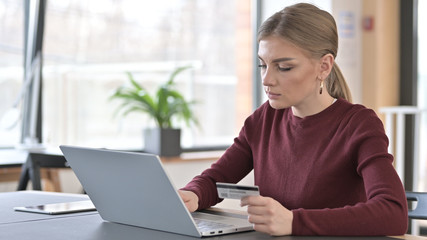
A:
x: 288, y: 74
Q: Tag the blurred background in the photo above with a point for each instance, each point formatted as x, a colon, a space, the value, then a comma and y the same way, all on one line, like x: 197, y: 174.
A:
x: 88, y: 46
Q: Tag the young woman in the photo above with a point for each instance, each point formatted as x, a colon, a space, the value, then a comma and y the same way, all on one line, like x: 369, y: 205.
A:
x: 321, y: 162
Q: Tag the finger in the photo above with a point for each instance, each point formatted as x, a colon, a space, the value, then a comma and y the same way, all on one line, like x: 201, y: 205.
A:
x: 252, y: 200
x: 257, y: 219
x: 190, y: 206
x: 264, y: 228
x: 258, y: 210
x: 190, y: 200
x: 183, y: 195
x: 187, y: 195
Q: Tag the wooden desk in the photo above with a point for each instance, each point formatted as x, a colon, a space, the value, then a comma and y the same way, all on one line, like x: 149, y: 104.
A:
x: 49, y: 175
x: 33, y: 166
x: 194, y: 156
x: 11, y: 162
x: 409, y: 237
x: 9, y: 174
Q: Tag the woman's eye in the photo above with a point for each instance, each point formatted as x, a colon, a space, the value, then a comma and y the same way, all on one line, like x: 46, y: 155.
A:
x: 263, y: 66
x: 284, y: 69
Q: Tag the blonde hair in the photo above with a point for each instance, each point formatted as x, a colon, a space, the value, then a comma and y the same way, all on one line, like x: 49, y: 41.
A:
x: 314, y: 31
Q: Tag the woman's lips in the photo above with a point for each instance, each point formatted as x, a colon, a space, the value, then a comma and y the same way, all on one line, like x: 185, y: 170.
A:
x: 272, y: 96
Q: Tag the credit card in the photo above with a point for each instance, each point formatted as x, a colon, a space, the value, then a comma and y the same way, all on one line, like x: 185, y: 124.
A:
x: 234, y: 191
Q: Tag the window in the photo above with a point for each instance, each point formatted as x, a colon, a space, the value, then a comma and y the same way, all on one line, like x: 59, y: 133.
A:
x: 11, y: 69
x: 90, y: 45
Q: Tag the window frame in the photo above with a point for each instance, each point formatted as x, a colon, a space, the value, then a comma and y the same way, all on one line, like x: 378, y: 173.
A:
x: 408, y: 90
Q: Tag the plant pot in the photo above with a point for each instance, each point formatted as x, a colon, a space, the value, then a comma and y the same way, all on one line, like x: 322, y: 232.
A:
x: 163, y: 141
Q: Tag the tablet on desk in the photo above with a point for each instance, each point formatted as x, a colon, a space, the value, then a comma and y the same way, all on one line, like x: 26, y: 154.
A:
x: 59, y: 208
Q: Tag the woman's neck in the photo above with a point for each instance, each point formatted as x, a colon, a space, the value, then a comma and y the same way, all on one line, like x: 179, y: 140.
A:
x: 315, y: 106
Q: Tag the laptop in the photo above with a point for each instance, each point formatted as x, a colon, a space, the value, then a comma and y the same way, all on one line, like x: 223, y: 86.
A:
x: 134, y: 189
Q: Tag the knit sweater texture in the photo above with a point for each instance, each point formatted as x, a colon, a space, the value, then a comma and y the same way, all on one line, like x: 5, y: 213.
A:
x: 331, y: 169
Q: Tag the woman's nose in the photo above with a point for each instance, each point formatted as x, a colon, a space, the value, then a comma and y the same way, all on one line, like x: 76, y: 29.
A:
x: 267, y: 78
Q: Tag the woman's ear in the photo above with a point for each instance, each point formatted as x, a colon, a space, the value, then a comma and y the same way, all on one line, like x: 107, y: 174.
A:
x: 326, y: 64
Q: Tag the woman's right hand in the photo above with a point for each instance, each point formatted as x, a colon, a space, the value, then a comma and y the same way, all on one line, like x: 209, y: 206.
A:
x: 190, y: 199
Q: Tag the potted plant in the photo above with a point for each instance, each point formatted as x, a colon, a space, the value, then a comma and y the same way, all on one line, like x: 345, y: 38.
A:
x: 167, y: 103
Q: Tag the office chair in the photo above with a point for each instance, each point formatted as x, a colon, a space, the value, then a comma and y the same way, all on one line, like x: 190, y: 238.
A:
x: 420, y: 211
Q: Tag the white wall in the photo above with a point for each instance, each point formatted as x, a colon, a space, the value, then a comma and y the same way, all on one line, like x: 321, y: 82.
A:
x: 347, y: 14
x: 269, y: 7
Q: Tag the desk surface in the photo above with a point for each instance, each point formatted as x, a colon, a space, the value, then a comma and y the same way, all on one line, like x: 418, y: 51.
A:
x: 15, y: 157
x: 89, y: 225
x: 25, y: 198
x: 12, y: 157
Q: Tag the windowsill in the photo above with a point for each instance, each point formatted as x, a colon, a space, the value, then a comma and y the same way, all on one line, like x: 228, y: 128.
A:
x: 195, y: 156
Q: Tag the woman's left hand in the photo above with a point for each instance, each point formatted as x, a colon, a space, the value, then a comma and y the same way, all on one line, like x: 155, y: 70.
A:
x: 268, y: 215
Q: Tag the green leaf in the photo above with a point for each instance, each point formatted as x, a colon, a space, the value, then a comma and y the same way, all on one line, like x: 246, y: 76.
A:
x: 175, y: 73
x: 134, y: 83
x: 164, y: 105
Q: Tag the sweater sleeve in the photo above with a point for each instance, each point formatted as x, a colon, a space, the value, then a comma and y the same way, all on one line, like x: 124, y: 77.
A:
x: 231, y: 167
x: 385, y: 210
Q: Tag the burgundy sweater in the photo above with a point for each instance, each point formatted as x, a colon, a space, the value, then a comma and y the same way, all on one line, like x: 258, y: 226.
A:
x: 331, y: 169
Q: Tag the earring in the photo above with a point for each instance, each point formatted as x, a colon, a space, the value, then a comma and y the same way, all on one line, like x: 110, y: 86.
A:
x: 321, y: 86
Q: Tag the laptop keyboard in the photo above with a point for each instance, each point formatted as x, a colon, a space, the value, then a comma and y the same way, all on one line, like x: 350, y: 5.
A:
x: 206, y: 225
